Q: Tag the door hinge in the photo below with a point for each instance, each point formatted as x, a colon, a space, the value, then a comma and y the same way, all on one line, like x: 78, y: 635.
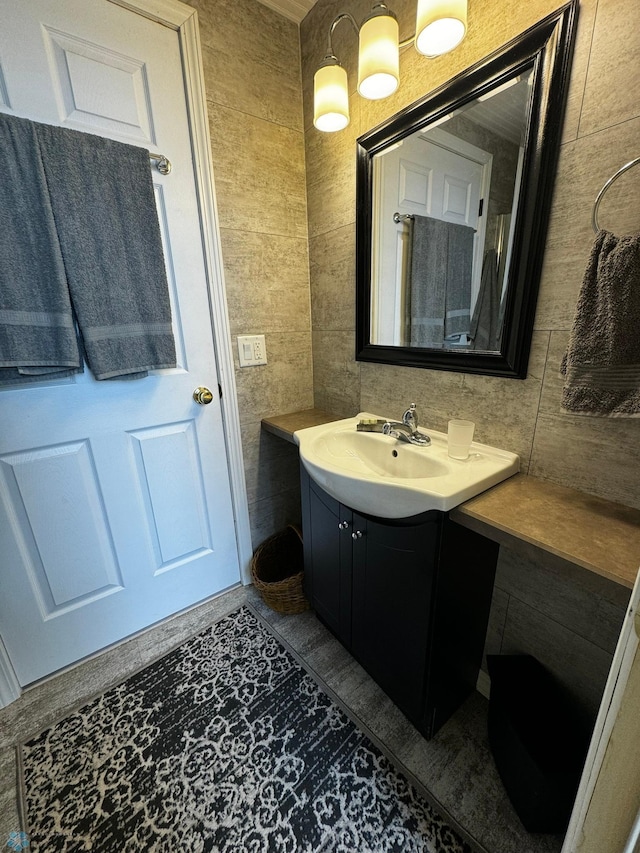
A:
x: 480, y: 207
x: 220, y: 390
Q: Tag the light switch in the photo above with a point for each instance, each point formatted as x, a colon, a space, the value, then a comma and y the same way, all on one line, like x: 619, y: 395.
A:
x: 251, y: 350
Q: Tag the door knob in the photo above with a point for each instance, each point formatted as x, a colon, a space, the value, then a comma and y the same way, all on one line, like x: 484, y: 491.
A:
x: 357, y: 534
x: 343, y: 525
x: 202, y: 395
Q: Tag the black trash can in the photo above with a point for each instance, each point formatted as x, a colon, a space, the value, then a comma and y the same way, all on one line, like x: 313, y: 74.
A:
x: 538, y: 740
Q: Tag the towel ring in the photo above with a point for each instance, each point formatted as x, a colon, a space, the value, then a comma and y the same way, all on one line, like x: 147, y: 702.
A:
x: 621, y: 171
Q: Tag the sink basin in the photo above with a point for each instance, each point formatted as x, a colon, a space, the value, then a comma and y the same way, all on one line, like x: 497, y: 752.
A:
x: 382, y: 476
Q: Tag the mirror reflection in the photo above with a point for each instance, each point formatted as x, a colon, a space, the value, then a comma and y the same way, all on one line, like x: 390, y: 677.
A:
x: 452, y: 206
x: 443, y: 213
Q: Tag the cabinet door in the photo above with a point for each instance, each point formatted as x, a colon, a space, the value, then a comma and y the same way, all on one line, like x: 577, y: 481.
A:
x: 327, y: 543
x: 393, y: 589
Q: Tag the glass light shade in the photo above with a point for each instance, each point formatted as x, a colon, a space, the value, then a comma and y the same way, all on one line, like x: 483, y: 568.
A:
x: 440, y: 25
x: 378, y: 59
x: 330, y: 98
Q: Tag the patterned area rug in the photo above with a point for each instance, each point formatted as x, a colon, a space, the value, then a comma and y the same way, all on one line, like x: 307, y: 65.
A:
x: 225, y: 744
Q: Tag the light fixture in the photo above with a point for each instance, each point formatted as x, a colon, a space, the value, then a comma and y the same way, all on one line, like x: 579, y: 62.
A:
x: 330, y: 96
x: 441, y: 26
x: 378, y: 54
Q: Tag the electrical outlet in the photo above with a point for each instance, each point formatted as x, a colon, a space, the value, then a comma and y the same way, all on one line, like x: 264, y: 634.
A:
x: 251, y: 350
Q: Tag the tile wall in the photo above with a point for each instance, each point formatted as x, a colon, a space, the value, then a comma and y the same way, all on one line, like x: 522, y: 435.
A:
x: 601, y: 132
x: 286, y: 201
x: 252, y: 76
x: 542, y: 607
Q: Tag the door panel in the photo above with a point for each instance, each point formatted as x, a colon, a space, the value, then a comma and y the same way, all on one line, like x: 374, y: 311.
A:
x: 426, y: 178
x: 116, y: 503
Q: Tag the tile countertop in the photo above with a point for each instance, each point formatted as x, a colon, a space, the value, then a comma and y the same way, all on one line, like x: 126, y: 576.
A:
x: 596, y: 534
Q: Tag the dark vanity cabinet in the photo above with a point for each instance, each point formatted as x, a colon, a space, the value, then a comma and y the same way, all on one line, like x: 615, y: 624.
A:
x: 409, y: 598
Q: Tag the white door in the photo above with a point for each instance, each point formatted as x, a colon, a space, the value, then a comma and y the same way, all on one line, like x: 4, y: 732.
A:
x: 115, y: 500
x: 432, y: 174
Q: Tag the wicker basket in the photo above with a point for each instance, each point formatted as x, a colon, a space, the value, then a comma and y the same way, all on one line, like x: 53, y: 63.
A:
x: 277, y: 571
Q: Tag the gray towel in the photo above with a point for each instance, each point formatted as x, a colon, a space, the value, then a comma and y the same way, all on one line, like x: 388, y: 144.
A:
x: 37, y: 333
x: 103, y: 203
x: 440, y: 291
x: 601, y: 367
x: 486, y: 323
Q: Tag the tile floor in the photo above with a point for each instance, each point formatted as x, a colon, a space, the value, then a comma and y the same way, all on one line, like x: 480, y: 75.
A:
x: 455, y: 767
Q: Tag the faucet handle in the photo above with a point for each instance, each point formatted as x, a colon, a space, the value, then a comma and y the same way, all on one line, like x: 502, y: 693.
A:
x: 410, y: 417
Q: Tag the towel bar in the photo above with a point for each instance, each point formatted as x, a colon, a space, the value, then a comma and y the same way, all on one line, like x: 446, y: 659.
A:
x: 163, y: 165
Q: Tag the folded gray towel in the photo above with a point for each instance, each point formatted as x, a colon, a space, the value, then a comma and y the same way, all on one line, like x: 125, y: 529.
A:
x: 602, y: 364
x: 103, y: 203
x: 440, y: 290
x: 37, y: 333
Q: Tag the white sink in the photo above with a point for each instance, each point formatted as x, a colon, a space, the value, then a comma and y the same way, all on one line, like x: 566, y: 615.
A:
x: 382, y: 476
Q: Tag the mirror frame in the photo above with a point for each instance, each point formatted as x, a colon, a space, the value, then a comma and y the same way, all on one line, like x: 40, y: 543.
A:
x: 547, y: 50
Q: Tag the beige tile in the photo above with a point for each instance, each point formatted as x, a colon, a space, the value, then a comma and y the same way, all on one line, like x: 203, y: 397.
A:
x: 267, y: 282
x: 272, y: 514
x: 259, y: 174
x: 593, y: 454
x: 388, y: 390
x: 331, y: 176
x: 611, y: 92
x: 579, y: 67
x: 251, y: 59
x: 284, y: 384
x: 332, y: 279
x: 585, y: 165
x: 554, y: 589
x: 505, y: 410
x: 495, y: 628
x: 336, y: 374
x: 580, y: 666
x: 271, y: 464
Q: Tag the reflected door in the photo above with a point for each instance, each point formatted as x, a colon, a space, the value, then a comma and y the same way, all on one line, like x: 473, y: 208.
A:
x: 115, y: 500
x: 442, y: 177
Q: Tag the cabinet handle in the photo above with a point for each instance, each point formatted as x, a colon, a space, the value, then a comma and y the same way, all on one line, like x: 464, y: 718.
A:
x: 343, y: 525
x: 357, y: 534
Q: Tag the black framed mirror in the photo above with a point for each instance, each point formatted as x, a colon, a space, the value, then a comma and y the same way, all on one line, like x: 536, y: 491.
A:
x: 453, y: 196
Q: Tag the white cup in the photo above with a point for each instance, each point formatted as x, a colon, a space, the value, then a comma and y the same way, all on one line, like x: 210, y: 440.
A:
x: 460, y: 436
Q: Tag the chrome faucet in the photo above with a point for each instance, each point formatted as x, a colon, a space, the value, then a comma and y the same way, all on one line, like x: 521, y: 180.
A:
x: 405, y: 430
x: 410, y: 418
x: 408, y: 429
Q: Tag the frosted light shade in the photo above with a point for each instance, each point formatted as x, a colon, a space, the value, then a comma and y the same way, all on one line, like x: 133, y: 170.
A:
x: 378, y: 59
x: 440, y: 25
x: 330, y: 98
